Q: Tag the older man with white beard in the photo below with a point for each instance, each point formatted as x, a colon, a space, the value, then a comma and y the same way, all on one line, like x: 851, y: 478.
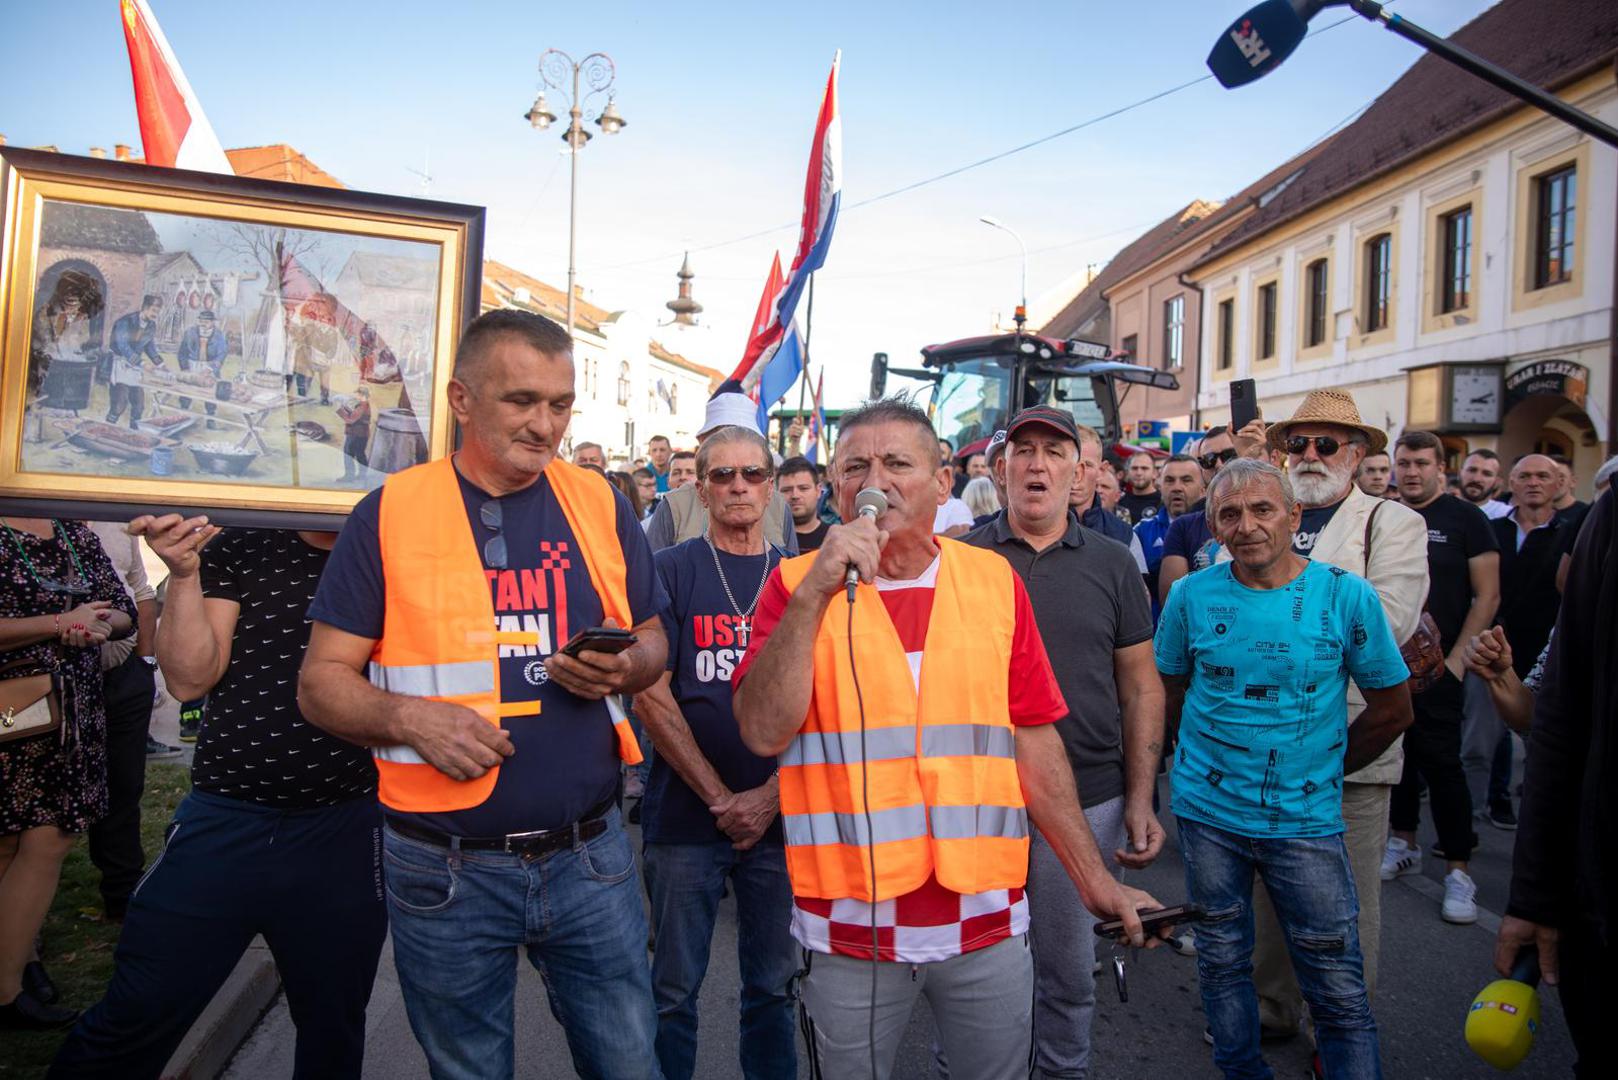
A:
x: 1386, y: 543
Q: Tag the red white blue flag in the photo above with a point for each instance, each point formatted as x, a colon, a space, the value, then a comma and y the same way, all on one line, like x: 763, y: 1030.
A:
x: 817, y: 422
x: 173, y: 130
x: 774, y: 359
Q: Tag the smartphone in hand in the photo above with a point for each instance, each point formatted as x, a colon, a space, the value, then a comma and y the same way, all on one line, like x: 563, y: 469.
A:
x: 602, y: 639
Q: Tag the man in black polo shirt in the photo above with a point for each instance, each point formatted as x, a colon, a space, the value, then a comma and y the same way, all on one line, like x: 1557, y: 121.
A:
x: 1092, y: 610
x: 1530, y: 551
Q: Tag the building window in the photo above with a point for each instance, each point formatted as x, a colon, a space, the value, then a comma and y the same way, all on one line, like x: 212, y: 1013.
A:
x: 1225, y: 359
x: 623, y: 382
x: 1266, y: 319
x: 1131, y: 346
x: 1378, y: 281
x: 674, y: 397
x: 1174, y: 331
x: 1555, y: 195
x: 1315, y: 292
x: 1456, y: 289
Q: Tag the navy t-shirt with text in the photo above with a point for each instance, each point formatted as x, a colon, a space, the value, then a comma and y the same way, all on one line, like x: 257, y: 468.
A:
x: 566, y: 758
x: 707, y: 640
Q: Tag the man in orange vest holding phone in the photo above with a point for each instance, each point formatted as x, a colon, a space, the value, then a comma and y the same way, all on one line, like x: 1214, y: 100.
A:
x: 915, y: 729
x: 439, y: 629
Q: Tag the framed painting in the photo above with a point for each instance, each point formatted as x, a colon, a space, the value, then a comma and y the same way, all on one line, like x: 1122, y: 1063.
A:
x: 261, y: 351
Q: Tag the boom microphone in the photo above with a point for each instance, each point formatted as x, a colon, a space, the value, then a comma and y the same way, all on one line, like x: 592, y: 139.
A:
x: 1503, y: 1018
x: 868, y: 503
x: 1255, y: 44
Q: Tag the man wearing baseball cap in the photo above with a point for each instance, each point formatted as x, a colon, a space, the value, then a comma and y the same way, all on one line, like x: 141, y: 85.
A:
x: 1096, y: 620
x: 680, y: 516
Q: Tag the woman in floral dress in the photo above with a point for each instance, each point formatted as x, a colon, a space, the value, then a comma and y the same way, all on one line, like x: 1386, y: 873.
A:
x: 59, y: 599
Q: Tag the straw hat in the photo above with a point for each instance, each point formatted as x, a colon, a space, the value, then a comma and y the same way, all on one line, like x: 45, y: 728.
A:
x: 1328, y: 407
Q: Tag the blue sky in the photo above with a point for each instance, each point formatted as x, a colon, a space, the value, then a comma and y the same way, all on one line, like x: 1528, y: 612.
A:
x: 720, y: 101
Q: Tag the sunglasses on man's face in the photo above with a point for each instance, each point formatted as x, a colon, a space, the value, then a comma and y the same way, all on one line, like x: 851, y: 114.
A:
x: 753, y: 474
x: 1325, y: 445
x: 1214, y: 459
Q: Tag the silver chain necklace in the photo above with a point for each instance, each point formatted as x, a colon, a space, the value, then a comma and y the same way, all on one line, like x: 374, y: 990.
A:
x: 726, y: 583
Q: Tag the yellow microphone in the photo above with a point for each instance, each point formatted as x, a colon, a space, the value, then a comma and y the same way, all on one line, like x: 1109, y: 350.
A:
x: 1504, y: 1017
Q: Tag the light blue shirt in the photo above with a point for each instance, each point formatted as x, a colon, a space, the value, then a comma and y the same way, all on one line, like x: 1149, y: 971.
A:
x: 1265, y: 720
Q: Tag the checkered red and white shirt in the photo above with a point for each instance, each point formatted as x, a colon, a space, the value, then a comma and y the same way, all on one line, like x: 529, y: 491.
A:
x: 932, y: 923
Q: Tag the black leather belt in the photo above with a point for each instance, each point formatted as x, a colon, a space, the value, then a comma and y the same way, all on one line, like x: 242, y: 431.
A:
x: 530, y: 845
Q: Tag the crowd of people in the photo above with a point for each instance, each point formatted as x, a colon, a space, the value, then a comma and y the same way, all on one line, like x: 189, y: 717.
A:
x: 911, y: 708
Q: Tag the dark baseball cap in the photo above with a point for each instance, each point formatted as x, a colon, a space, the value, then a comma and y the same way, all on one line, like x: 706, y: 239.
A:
x: 1060, y: 419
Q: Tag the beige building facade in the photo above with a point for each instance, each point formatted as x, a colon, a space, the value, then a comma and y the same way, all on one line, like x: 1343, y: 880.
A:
x: 1466, y: 288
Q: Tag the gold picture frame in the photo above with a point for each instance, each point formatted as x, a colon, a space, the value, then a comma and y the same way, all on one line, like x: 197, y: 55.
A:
x: 261, y: 351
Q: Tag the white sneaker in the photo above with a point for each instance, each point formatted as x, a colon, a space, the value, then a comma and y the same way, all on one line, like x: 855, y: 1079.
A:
x: 1460, y: 898
x: 1399, y: 859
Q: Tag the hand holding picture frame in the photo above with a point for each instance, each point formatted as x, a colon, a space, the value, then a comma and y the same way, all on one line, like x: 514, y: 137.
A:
x: 267, y: 352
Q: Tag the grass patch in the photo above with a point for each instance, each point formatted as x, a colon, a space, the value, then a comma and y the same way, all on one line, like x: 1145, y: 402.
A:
x: 78, y: 940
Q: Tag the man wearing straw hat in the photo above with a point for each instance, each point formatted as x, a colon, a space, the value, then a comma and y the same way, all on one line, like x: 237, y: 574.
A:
x: 1386, y: 543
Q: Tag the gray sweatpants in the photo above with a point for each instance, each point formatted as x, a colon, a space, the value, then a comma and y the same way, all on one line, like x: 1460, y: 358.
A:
x: 1480, y: 734
x: 980, y: 1001
x: 1063, y: 934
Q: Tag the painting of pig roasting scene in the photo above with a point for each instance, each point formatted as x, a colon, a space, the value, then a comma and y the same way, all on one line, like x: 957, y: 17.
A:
x: 191, y: 348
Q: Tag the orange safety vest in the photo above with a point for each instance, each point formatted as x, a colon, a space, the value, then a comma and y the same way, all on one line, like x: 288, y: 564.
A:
x: 945, y: 796
x: 438, y: 632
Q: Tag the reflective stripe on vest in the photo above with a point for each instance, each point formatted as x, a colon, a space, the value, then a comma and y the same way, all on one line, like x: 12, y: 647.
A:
x: 944, y: 790
x: 438, y: 637
x: 887, y: 744
x: 434, y: 680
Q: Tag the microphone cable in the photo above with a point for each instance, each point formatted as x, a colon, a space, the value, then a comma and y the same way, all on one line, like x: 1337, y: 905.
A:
x: 870, y: 831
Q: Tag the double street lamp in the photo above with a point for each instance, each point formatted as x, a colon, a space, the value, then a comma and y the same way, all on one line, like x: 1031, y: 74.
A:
x: 591, y: 76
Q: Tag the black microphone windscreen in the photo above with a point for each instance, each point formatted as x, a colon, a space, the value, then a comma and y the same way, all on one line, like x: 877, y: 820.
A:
x: 1255, y: 44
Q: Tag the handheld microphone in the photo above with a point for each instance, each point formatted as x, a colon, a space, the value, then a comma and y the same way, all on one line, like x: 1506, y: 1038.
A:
x: 1504, y: 1017
x: 868, y: 503
x: 1255, y: 44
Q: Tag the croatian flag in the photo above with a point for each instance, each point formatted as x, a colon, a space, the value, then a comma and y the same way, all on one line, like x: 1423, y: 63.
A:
x: 817, y: 422
x: 173, y: 130
x: 774, y: 355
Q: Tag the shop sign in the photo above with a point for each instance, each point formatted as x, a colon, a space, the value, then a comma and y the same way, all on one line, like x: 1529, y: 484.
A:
x: 1562, y: 378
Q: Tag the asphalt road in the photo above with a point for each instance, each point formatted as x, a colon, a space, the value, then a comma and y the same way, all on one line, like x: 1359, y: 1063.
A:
x: 1430, y: 972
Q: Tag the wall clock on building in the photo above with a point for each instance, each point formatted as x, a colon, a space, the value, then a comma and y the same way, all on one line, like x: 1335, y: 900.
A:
x: 1475, y: 395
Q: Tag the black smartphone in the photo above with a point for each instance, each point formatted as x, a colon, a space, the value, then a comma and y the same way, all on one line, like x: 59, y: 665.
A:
x: 1153, y: 921
x: 603, y: 639
x: 1243, y: 404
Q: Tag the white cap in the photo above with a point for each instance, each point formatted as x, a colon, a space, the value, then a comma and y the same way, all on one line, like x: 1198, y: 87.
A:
x: 1606, y: 471
x: 730, y: 410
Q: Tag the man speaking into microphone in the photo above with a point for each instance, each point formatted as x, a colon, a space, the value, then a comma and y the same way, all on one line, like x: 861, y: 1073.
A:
x: 913, y: 717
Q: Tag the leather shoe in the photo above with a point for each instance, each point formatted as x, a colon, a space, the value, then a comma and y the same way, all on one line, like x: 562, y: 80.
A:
x: 27, y: 1013
x: 37, y: 981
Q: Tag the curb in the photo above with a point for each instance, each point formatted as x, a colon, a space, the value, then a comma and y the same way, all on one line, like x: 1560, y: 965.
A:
x: 219, y: 1032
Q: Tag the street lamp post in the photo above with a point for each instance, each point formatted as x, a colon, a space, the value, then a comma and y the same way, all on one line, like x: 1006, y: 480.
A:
x: 1022, y: 308
x: 591, y: 76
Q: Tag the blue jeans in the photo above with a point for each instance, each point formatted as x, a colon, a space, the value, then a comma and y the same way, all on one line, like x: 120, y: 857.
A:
x: 458, y: 917
x: 1312, y: 888
x: 686, y: 882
